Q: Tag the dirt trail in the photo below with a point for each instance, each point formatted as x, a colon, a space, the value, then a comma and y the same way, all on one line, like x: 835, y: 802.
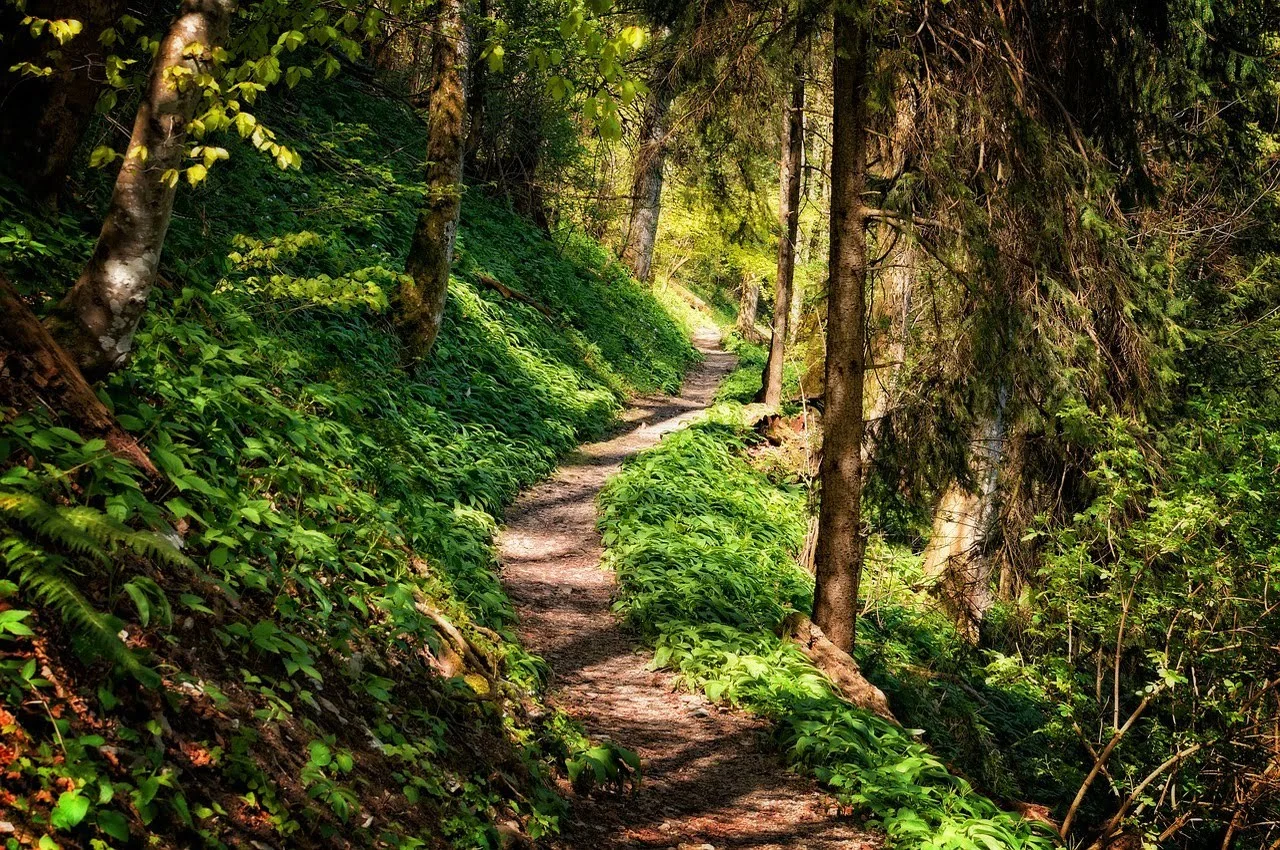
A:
x: 710, y: 779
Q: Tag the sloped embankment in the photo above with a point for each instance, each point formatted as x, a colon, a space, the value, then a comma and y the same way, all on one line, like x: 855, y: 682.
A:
x: 329, y: 659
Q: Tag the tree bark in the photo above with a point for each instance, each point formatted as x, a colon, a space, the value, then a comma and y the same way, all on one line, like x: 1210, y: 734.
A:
x: 646, y: 186
x: 421, y: 299
x: 97, y: 319
x: 477, y: 92
x: 955, y: 559
x: 42, y: 119
x: 748, y: 308
x: 890, y: 289
x: 35, y: 370
x: 891, y: 303
x: 789, y: 221
x: 838, y: 563
x: 839, y: 666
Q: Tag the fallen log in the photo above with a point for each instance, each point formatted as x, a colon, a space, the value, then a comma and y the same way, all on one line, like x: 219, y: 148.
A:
x: 515, y: 295
x: 35, y: 369
x: 837, y: 664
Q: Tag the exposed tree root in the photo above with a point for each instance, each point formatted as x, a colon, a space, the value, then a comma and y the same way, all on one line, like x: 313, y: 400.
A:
x: 837, y: 664
x: 35, y: 369
x: 515, y: 295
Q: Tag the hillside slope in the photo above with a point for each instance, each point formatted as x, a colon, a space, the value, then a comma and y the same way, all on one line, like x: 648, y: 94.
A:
x: 328, y: 659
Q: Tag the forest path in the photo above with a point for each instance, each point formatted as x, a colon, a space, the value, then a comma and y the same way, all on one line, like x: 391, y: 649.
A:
x: 710, y: 777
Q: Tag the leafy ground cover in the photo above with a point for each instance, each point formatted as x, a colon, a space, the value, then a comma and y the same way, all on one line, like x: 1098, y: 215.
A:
x: 744, y: 382
x: 704, y: 547
x: 259, y: 649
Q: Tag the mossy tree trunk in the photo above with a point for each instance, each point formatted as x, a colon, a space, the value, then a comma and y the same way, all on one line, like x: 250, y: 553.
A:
x: 97, y: 319
x: 45, y: 117
x: 748, y: 307
x: 838, y: 561
x: 789, y: 222
x: 646, y: 184
x: 421, y: 298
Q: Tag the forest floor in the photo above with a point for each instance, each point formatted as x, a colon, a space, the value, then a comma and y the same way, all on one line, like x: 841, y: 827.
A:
x: 711, y: 780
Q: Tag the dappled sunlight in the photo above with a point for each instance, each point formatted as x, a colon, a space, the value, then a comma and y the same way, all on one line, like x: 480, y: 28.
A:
x: 704, y: 548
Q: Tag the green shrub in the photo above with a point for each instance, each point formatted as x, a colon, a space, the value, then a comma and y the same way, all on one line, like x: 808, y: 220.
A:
x: 704, y: 548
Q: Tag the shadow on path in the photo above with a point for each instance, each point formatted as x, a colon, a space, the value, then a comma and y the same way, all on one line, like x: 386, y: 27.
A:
x: 710, y: 776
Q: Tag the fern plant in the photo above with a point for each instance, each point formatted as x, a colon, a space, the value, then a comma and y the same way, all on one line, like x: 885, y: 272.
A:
x: 45, y: 548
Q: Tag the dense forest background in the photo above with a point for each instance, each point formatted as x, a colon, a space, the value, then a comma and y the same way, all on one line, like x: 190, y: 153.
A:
x: 296, y: 297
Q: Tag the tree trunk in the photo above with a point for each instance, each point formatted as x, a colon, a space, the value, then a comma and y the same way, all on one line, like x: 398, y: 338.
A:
x: 420, y: 301
x: 890, y: 290
x: 821, y: 193
x: 646, y: 186
x: 891, y: 294
x: 838, y: 563
x: 748, y: 308
x: 97, y: 319
x: 35, y: 370
x: 789, y: 219
x: 477, y: 92
x: 955, y: 559
x: 837, y: 663
x: 42, y: 119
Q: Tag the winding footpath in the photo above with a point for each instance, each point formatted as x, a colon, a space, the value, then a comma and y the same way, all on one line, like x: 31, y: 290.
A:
x: 710, y: 779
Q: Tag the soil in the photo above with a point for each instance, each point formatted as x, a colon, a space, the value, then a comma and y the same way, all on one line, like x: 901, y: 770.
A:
x: 711, y: 779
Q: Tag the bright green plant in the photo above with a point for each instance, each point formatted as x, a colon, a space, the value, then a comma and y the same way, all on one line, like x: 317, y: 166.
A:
x: 323, y: 498
x: 704, y: 548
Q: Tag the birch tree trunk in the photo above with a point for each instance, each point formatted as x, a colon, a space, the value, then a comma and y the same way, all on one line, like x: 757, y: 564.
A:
x: 420, y: 300
x: 97, y: 319
x: 44, y: 118
x: 838, y: 561
x: 789, y: 219
x: 646, y: 186
x: 956, y: 559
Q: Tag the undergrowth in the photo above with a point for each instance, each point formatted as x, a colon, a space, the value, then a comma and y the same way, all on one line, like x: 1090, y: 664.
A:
x: 704, y: 547
x: 251, y: 652
x: 742, y: 384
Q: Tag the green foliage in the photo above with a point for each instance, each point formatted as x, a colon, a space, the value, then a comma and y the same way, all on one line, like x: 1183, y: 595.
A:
x: 704, y: 549
x: 366, y: 287
x: 321, y: 496
x: 47, y: 548
x: 604, y: 765
x: 1170, y: 569
x: 678, y: 557
x: 742, y: 384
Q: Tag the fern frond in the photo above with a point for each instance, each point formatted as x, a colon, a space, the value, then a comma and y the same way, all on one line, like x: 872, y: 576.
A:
x: 100, y: 631
x: 51, y: 524
x: 49, y: 577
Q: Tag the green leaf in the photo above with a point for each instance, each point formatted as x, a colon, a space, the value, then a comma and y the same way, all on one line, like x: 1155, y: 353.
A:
x: 321, y: 755
x: 11, y: 622
x: 70, y: 810
x: 140, y: 602
x: 114, y: 824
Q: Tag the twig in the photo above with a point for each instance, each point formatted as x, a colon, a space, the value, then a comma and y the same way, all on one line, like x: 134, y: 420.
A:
x: 1109, y: 829
x: 1101, y: 761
